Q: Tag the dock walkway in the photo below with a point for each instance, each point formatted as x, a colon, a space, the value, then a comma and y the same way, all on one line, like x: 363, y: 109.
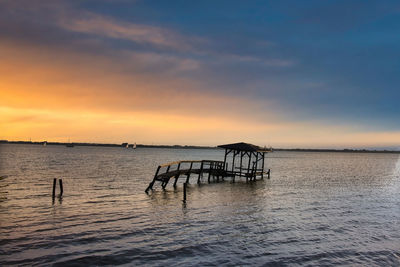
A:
x: 185, y: 168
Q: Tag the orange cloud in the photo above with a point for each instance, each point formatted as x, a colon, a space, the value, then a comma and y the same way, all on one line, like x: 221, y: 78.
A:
x: 37, y: 77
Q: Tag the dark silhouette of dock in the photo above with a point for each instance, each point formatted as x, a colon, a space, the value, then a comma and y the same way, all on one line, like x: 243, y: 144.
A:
x: 240, y: 160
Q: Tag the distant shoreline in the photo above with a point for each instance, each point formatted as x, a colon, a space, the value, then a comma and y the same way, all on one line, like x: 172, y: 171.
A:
x: 200, y: 147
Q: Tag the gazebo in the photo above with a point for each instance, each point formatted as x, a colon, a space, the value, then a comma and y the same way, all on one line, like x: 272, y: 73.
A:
x: 245, y: 160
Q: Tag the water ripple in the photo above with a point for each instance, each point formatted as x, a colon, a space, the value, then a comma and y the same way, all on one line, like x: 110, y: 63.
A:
x: 317, y: 209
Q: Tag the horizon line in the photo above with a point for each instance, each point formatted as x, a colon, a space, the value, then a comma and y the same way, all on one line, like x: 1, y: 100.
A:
x: 382, y: 150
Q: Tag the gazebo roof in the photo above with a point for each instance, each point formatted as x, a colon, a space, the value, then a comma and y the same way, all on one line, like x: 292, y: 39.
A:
x: 244, y: 147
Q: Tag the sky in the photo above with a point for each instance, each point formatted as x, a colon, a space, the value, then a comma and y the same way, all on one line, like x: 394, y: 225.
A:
x: 307, y: 74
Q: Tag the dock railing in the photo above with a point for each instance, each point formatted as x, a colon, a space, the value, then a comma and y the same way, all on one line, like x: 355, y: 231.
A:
x: 187, y: 167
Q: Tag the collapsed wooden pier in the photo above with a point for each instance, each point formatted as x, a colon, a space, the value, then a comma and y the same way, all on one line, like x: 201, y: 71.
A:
x: 240, y: 160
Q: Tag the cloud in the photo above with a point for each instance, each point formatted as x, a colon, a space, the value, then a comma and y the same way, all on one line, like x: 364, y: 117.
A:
x: 60, y: 23
x: 270, y: 62
x: 162, y: 63
x: 90, y: 23
x: 41, y: 18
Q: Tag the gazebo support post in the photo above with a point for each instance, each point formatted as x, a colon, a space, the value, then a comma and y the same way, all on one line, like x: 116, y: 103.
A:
x: 248, y: 167
x: 262, y: 166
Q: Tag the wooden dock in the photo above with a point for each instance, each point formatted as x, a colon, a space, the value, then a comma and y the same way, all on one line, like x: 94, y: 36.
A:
x: 246, y: 160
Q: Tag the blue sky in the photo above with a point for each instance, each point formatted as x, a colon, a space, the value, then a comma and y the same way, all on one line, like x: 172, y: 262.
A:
x: 340, y: 59
x: 321, y: 63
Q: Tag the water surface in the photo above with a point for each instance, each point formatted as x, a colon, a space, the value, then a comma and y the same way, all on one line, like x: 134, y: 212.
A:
x: 317, y: 209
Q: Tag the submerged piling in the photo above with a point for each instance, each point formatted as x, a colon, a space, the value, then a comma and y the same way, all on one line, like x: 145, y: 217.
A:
x: 54, y: 187
x: 184, y: 192
x: 61, y: 188
x: 152, y: 182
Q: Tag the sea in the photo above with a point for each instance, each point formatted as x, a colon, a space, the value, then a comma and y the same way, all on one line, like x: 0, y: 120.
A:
x: 317, y: 209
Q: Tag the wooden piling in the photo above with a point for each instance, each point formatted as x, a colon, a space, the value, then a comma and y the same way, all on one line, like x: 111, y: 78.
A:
x: 226, y: 154
x: 256, y: 167
x: 209, y: 172
x: 241, y: 161
x: 200, y: 173
x: 176, y: 180
x: 262, y: 167
x: 184, y: 192
x: 165, y: 182
x: 188, y: 174
x: 54, y: 187
x: 177, y: 175
x: 61, y: 188
x: 233, y: 162
x: 248, y: 167
x: 152, y: 182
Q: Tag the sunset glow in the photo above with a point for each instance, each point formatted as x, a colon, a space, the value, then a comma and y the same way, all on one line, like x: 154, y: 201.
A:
x: 102, y: 74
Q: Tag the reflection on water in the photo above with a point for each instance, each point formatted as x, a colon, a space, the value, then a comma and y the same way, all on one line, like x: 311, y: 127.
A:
x: 317, y: 209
